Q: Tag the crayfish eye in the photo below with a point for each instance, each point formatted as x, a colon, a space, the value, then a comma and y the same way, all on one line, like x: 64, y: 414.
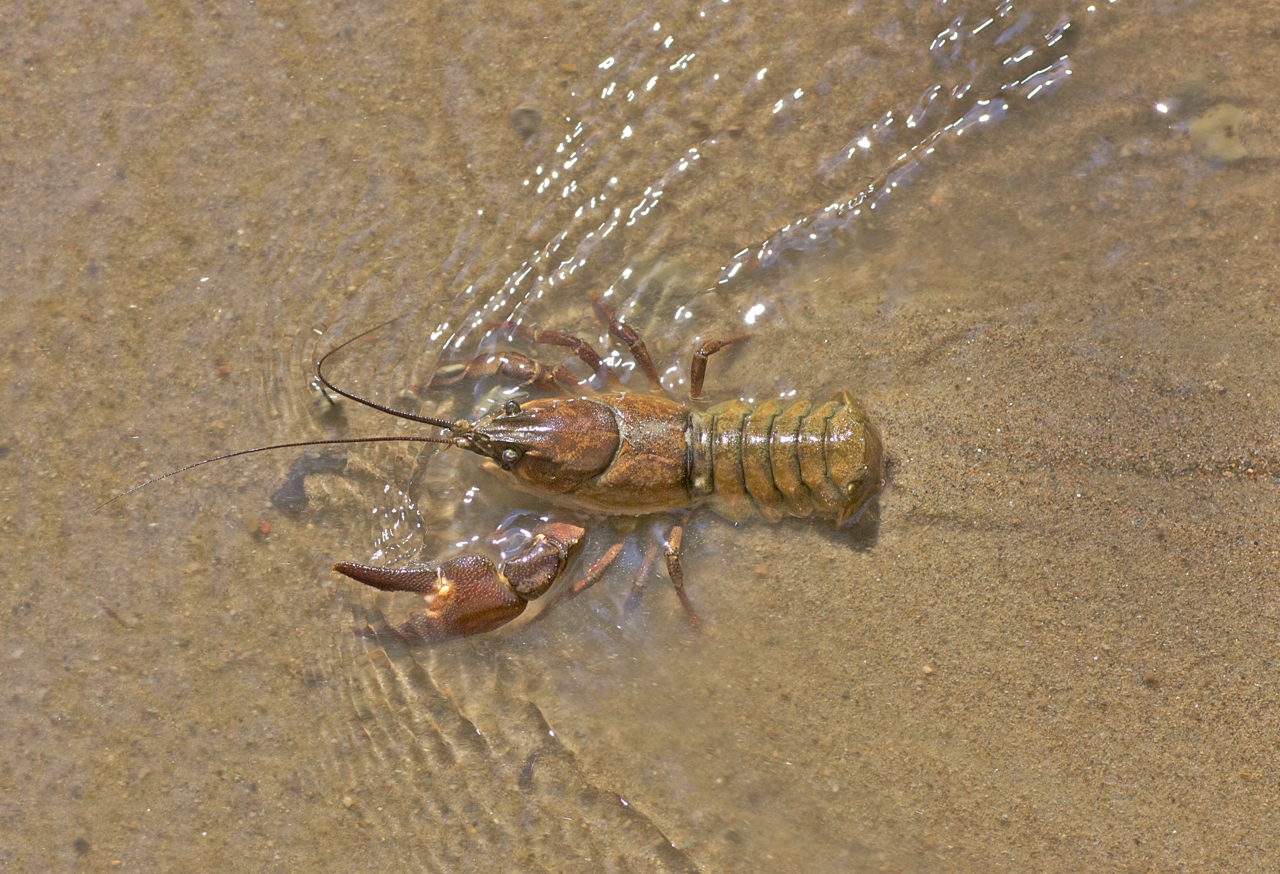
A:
x: 510, y: 457
x: 511, y: 408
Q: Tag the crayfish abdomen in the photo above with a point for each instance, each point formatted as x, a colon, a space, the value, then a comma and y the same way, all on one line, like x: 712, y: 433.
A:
x: 789, y: 460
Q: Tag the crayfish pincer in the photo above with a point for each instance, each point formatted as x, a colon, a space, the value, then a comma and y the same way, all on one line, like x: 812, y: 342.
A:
x: 468, y: 595
x: 617, y: 452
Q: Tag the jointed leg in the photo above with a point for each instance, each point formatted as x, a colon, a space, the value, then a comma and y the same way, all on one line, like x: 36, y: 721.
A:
x: 518, y: 368
x: 628, y: 335
x: 638, y: 585
x: 596, y: 571
x: 624, y: 332
x: 677, y: 574
x: 521, y: 368
x: 698, y: 367
x: 580, y: 347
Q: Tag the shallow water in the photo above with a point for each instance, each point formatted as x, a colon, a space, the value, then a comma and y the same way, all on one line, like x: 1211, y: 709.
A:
x: 1053, y: 649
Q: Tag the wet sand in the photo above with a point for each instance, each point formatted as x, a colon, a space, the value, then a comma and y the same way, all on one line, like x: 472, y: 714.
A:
x: 1052, y: 651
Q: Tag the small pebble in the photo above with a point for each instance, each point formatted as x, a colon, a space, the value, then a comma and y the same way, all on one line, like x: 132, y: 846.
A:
x: 526, y: 120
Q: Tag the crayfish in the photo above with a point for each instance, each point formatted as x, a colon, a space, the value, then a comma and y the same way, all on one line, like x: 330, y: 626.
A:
x: 619, y: 453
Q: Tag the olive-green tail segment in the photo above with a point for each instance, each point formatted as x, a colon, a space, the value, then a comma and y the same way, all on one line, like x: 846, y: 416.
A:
x: 779, y: 460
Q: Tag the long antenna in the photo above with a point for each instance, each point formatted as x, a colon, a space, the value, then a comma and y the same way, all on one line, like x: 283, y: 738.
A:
x: 348, y: 442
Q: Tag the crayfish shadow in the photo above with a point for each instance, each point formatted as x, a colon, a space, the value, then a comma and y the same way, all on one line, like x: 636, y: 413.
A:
x: 860, y: 533
x: 291, y: 499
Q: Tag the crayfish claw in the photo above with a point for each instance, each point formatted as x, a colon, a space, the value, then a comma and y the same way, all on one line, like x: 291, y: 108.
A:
x: 464, y: 596
x: 469, y: 594
x: 420, y: 580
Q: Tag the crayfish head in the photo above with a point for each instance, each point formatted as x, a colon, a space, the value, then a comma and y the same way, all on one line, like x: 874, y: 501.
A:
x: 547, y: 446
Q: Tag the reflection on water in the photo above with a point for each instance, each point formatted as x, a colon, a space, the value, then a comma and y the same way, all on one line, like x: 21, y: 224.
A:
x: 1005, y: 227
